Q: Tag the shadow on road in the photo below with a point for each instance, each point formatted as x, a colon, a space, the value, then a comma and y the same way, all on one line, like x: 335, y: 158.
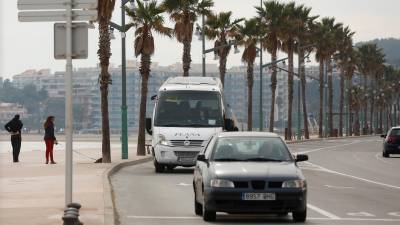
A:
x: 179, y: 171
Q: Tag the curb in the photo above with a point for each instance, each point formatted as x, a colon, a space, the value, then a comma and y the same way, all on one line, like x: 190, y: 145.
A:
x: 330, y: 138
x: 110, y: 213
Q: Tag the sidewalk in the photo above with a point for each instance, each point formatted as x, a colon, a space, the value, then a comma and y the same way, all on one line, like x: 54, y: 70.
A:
x: 32, y: 192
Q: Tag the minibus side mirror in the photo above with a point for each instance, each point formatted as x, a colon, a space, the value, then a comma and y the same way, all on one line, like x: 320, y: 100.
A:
x: 229, y: 125
x: 148, y: 126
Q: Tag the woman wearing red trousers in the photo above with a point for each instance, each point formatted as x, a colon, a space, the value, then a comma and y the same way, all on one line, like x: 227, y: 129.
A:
x: 49, y: 138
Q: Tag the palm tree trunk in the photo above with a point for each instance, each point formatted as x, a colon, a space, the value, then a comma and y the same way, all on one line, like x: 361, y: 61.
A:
x: 364, y: 125
x: 290, y: 92
x: 303, y: 95
x: 222, y: 68
x: 341, y: 104
x: 330, y: 100
x: 273, y: 92
x: 380, y: 120
x: 104, y: 80
x: 145, y: 72
x: 321, y: 98
x: 250, y: 82
x: 357, y: 123
x: 186, y: 58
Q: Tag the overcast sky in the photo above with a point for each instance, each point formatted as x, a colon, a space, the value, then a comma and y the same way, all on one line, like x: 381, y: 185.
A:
x: 30, y: 45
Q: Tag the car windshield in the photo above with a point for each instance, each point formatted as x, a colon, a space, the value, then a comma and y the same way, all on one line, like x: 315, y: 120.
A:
x: 189, y: 109
x: 251, y: 149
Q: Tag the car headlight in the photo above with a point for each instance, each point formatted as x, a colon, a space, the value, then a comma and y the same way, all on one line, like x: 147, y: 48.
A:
x: 294, y: 184
x: 219, y: 183
x: 162, y: 140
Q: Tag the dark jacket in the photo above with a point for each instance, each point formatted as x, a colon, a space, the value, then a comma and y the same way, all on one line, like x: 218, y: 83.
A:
x: 49, y: 132
x: 15, y: 125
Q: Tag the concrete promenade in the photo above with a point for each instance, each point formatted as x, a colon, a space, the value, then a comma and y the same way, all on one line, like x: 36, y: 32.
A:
x: 32, y: 192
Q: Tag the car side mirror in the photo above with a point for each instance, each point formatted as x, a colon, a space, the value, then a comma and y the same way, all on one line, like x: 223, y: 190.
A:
x: 201, y: 158
x: 148, y: 126
x: 383, y: 135
x: 301, y: 158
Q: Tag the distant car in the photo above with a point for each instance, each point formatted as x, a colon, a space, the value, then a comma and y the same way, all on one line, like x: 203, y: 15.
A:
x: 249, y: 172
x: 391, y: 143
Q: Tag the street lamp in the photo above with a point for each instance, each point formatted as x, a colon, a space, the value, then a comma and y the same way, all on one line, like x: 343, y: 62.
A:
x: 124, y: 108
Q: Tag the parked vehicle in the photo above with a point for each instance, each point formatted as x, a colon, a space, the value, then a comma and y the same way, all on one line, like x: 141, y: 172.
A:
x: 249, y: 172
x: 187, y: 112
x: 391, y: 142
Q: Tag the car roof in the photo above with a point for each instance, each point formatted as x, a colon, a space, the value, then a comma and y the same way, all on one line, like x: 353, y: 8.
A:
x: 398, y: 127
x: 247, y: 134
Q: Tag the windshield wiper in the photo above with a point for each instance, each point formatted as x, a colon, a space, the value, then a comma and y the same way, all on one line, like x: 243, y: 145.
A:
x: 263, y: 160
x: 227, y: 160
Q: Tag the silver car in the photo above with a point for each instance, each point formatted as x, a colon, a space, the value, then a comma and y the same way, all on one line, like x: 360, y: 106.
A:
x: 249, y: 172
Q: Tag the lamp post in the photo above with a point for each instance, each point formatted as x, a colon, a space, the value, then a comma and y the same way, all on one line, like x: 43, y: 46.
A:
x: 124, y: 108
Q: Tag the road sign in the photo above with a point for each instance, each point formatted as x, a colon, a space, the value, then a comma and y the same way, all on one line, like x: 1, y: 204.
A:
x: 55, y: 4
x: 79, y: 41
x: 54, y: 16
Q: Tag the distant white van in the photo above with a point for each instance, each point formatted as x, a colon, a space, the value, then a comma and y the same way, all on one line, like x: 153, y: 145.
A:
x: 187, y: 112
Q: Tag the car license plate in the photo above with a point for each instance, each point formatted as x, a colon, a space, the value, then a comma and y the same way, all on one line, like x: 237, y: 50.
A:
x: 186, y: 160
x: 259, y: 196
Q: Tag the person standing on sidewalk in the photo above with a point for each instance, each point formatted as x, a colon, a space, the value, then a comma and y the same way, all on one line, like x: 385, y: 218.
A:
x: 14, y: 128
x: 49, y: 138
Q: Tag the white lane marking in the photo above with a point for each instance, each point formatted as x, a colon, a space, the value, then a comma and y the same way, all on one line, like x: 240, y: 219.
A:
x: 184, y: 184
x: 355, y: 177
x: 378, y: 157
x: 337, y: 187
x: 358, y: 219
x: 365, y: 214
x: 329, y: 147
x: 394, y: 214
x: 308, y: 218
x: 322, y: 212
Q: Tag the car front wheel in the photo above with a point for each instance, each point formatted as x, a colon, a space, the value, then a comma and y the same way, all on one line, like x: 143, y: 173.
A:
x: 385, y: 154
x: 198, y: 208
x: 208, y: 215
x: 159, y: 168
x: 300, y: 216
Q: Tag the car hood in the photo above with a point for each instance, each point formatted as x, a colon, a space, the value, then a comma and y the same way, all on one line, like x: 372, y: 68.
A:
x: 259, y: 170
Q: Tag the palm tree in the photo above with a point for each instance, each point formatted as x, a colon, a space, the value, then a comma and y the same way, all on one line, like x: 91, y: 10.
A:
x: 221, y: 27
x: 325, y: 38
x: 345, y: 46
x: 350, y: 67
x: 357, y: 100
x: 184, y: 13
x: 272, y: 14
x: 304, y: 44
x: 371, y: 66
x: 248, y: 36
x: 146, y: 19
x: 105, y: 9
x: 288, y: 36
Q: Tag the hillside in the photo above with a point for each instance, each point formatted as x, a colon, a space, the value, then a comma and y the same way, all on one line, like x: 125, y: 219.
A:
x: 391, y: 48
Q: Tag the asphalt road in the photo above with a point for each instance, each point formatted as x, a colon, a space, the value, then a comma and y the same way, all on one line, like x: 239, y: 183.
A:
x: 348, y: 183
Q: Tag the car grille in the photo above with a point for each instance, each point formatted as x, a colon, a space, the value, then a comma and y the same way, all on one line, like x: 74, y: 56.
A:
x: 258, y: 184
x: 241, y: 184
x: 186, y: 143
x: 186, y: 154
